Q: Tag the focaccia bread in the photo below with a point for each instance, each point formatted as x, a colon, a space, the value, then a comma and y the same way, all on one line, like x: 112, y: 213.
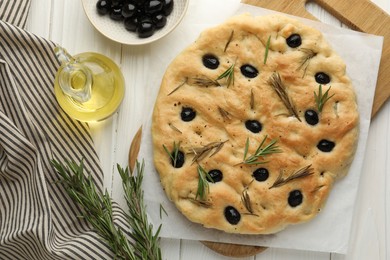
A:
x: 252, y: 125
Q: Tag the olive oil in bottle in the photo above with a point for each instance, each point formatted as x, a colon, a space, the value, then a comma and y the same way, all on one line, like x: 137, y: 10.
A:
x: 88, y: 86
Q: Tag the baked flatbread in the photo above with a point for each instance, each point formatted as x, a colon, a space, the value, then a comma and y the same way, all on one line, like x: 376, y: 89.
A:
x: 252, y: 125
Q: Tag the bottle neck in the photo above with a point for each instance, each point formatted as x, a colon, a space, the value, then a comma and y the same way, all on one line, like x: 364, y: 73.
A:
x: 74, y: 78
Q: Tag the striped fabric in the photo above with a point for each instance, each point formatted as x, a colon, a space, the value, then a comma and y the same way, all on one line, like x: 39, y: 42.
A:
x: 14, y: 11
x: 37, y: 218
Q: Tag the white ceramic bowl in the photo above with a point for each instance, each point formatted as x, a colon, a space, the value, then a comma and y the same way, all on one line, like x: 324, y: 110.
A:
x: 116, y: 31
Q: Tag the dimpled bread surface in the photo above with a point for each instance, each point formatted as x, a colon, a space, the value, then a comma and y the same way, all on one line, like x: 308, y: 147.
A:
x: 210, y: 126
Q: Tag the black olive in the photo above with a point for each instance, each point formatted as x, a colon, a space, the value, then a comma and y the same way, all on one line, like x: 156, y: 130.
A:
x: 168, y: 7
x: 311, y: 117
x: 295, y: 198
x: 216, y: 175
x: 253, y: 125
x: 153, y: 6
x: 294, y: 40
x: 261, y: 174
x: 103, y: 6
x: 145, y: 28
x: 179, y: 159
x: 187, y: 114
x: 139, y: 2
x: 116, y: 13
x: 116, y: 2
x: 232, y: 215
x: 131, y: 23
x: 326, y: 145
x: 322, y: 78
x: 160, y: 20
x: 249, y: 71
x: 129, y: 10
x: 210, y: 61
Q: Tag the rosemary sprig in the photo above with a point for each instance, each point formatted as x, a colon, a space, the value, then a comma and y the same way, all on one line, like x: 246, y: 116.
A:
x: 97, y: 207
x: 270, y: 148
x: 308, y: 55
x: 246, y: 200
x: 321, y: 98
x: 97, y: 210
x: 252, y: 102
x: 229, y: 41
x: 174, y: 128
x: 201, y: 203
x: 203, y: 82
x: 276, y: 82
x: 146, y: 243
x: 267, y: 49
x: 202, y: 152
x: 301, y: 173
x: 225, y: 114
x: 229, y: 75
x: 203, y: 184
x: 173, y: 155
x: 178, y: 87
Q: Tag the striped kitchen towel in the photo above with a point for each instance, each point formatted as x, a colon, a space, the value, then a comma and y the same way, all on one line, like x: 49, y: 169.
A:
x: 38, y: 220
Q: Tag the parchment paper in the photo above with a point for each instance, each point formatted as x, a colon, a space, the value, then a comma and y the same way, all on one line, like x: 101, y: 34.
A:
x: 330, y: 230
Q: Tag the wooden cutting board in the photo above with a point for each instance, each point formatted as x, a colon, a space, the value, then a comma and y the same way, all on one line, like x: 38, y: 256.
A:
x: 361, y: 15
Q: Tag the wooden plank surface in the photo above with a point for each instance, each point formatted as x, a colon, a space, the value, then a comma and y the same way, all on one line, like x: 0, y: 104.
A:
x: 64, y: 22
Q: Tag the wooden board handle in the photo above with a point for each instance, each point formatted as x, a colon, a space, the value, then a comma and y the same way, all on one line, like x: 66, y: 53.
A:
x: 365, y: 16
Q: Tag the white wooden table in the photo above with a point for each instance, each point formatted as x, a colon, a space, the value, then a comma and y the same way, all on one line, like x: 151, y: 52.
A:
x: 64, y: 22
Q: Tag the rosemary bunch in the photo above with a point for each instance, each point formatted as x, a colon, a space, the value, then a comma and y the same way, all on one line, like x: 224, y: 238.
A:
x: 97, y: 210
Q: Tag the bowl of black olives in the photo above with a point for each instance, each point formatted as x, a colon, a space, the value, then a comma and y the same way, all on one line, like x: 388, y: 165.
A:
x: 135, y: 22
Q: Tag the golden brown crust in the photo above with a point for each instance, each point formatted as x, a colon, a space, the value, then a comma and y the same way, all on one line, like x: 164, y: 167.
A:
x: 221, y: 113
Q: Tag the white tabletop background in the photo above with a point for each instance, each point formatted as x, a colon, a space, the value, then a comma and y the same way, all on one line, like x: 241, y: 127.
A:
x: 64, y: 22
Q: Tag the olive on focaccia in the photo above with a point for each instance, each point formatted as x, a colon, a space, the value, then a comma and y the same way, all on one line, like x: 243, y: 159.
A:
x: 253, y: 123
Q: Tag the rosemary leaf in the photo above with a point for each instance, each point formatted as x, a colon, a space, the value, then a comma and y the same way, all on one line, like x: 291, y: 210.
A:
x: 276, y: 82
x: 224, y: 113
x: 229, y: 75
x: 162, y: 209
x: 174, y: 128
x: 203, y: 184
x: 260, y: 152
x: 321, y: 99
x: 267, y: 49
x: 175, y: 89
x: 201, y: 203
x: 229, y: 41
x: 97, y: 207
x: 301, y: 173
x: 252, y: 103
